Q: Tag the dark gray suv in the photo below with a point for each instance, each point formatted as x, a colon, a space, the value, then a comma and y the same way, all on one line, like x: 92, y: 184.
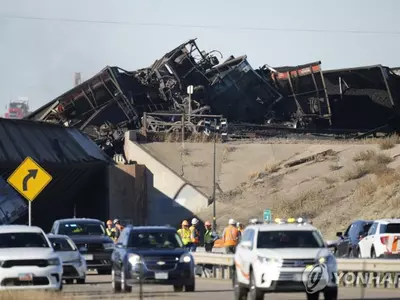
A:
x: 90, y: 237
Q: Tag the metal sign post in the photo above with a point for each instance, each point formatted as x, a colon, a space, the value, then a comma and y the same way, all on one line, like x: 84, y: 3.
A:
x: 29, y: 179
x: 190, y: 92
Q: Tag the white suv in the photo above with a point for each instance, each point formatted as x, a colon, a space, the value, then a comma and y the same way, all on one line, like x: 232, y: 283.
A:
x: 27, y: 259
x: 382, y: 240
x: 284, y: 258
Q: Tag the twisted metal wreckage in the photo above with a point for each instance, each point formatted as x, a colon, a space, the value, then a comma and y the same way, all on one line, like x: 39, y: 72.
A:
x: 298, y: 98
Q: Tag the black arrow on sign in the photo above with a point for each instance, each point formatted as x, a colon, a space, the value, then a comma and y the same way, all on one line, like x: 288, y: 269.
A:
x: 31, y: 174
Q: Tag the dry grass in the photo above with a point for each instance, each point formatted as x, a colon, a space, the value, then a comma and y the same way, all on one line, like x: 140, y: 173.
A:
x: 227, y: 150
x: 389, y: 142
x: 368, y: 162
x: 335, y: 167
x: 199, y: 164
x: 254, y: 175
x: 272, y: 167
x: 307, y: 205
x: 184, y: 151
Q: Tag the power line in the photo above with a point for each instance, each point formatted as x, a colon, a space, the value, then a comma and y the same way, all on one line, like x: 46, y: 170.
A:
x: 218, y: 27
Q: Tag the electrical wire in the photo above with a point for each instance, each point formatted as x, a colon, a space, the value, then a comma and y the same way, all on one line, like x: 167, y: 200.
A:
x: 217, y: 27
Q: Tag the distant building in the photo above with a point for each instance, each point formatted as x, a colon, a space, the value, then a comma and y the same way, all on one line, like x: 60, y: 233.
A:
x: 18, y: 109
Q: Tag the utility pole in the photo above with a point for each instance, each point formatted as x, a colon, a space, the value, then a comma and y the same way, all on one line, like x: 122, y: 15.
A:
x: 214, y: 176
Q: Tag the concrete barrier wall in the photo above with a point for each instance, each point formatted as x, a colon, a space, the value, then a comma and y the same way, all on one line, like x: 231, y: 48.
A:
x: 127, y: 191
x: 171, y: 198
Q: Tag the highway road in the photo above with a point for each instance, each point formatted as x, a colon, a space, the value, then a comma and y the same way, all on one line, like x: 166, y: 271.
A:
x: 99, y: 287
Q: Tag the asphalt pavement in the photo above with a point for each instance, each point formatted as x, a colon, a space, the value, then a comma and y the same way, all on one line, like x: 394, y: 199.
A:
x: 99, y: 287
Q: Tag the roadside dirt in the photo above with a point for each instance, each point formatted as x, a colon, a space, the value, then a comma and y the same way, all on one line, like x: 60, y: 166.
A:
x: 332, y: 183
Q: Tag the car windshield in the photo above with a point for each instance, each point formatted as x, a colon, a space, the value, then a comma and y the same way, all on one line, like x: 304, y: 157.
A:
x: 81, y: 229
x: 23, y: 240
x: 154, y: 240
x: 390, y: 228
x: 62, y: 244
x: 289, y: 239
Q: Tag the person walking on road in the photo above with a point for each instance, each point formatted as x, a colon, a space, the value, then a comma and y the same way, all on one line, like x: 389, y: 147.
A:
x: 209, y: 237
x: 195, y: 235
x: 230, y: 237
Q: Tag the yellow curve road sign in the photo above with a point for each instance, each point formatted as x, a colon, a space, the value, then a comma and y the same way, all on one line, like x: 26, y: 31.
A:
x: 29, y: 179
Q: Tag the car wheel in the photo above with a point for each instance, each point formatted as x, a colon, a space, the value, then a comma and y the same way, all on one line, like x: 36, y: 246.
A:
x: 178, y: 288
x: 240, y: 293
x: 69, y: 281
x: 81, y: 281
x: 116, y: 286
x: 373, y: 254
x: 104, y: 272
x: 190, y: 287
x: 314, y: 296
x: 331, y: 293
x: 124, y: 287
x: 254, y: 293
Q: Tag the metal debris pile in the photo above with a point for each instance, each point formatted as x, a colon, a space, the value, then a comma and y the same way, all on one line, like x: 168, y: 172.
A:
x: 300, y: 97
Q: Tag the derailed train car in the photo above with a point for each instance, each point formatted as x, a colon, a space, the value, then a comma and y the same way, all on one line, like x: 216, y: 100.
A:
x: 304, y: 96
x: 306, y: 101
x: 363, y: 98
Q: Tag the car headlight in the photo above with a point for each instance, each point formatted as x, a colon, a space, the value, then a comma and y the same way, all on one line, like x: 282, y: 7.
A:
x: 134, y: 259
x: 276, y: 261
x: 109, y: 246
x: 54, y: 261
x: 75, y: 261
x: 185, y: 258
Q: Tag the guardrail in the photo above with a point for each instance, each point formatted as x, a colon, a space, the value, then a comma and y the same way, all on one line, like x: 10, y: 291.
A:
x: 376, y: 273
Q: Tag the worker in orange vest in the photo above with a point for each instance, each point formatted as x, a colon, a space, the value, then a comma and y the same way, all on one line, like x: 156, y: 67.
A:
x: 195, y: 235
x: 230, y: 237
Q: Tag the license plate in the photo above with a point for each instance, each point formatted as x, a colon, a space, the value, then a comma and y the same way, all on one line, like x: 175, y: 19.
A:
x: 161, y: 275
x: 25, y: 277
x: 88, y: 257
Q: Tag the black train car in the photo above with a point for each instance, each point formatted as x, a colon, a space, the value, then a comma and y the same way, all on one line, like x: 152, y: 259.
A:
x: 363, y: 98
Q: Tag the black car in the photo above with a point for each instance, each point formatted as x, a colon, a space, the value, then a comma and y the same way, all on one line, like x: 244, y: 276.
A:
x: 347, y: 245
x: 153, y: 255
x: 90, y: 237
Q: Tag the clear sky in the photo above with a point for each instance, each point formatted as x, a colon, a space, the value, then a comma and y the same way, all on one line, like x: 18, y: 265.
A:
x: 41, y: 46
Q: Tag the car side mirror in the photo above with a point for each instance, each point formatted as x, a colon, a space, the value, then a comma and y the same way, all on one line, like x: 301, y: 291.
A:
x: 246, y: 244
x: 339, y: 234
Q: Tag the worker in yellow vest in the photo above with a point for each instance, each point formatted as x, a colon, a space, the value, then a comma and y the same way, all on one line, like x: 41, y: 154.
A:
x: 209, y: 237
x: 185, y: 234
x: 195, y: 235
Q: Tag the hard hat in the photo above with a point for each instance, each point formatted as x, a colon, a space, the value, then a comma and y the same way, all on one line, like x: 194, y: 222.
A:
x: 232, y: 222
x: 207, y: 223
x: 116, y: 221
x: 194, y: 221
x: 238, y: 224
x: 109, y: 222
x: 185, y: 223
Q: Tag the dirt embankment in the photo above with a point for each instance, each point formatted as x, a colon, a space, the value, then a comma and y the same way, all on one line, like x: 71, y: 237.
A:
x: 331, y: 183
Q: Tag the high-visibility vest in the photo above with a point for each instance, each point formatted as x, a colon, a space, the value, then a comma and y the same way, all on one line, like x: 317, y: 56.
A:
x: 194, y: 235
x: 231, y: 235
x: 185, y: 235
x: 208, y: 236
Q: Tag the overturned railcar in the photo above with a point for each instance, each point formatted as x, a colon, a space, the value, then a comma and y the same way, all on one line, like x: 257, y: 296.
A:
x: 239, y: 92
x: 363, y: 98
x: 306, y: 102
